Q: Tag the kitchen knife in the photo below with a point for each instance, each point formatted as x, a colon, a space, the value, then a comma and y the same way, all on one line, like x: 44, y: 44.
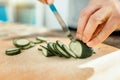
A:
x: 61, y: 21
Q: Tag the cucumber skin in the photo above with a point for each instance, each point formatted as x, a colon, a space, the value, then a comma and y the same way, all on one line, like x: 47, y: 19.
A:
x: 56, y: 50
x: 49, y: 54
x: 74, y: 56
x: 12, y: 53
x: 86, y: 51
x: 59, y: 44
x: 51, y: 49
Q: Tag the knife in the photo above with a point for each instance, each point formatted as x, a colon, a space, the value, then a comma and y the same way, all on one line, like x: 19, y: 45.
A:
x: 61, y: 21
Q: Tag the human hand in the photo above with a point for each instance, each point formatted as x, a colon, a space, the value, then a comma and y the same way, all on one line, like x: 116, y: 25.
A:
x: 47, y: 1
x: 98, y: 20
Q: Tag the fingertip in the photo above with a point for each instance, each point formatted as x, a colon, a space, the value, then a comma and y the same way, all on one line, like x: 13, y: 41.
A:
x: 78, y: 36
x: 90, y: 44
x: 50, y: 1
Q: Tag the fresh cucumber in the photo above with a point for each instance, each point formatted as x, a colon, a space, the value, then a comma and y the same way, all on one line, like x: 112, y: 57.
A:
x: 21, y: 42
x: 42, y: 39
x: 69, y: 51
x: 13, y: 51
x: 80, y: 49
x: 57, y: 51
x: 28, y: 46
x: 51, y: 48
x: 61, y: 50
x: 46, y: 51
x: 37, y: 41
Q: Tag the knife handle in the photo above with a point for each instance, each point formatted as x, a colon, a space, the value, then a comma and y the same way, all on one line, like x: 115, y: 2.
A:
x: 53, y: 8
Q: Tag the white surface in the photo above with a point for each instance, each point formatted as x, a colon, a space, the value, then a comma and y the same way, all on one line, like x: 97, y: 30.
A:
x: 106, y: 67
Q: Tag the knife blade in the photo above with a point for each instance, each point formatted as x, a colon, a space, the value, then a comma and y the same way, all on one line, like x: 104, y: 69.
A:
x: 61, y: 21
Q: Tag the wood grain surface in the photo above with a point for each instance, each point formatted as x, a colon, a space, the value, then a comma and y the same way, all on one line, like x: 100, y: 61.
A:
x: 32, y: 65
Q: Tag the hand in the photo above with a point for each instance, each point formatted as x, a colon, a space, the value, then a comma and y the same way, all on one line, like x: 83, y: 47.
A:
x: 98, y: 20
x: 47, y: 1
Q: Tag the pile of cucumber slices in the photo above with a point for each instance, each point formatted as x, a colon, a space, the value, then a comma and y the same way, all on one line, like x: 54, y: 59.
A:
x: 75, y: 49
x: 24, y: 44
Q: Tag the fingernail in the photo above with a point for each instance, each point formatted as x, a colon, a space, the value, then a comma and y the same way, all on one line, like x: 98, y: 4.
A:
x: 84, y: 39
x: 90, y: 44
x: 78, y: 36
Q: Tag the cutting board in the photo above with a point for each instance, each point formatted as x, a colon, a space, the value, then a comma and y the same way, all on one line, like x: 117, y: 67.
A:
x: 32, y: 65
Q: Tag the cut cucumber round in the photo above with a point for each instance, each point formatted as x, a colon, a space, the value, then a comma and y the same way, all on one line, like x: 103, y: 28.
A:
x: 21, y: 42
x: 28, y: 46
x: 42, y: 39
x: 36, y: 41
x: 69, y: 51
x: 56, y: 51
x: 51, y: 48
x: 61, y: 50
x: 46, y: 52
x: 80, y: 49
x: 13, y: 51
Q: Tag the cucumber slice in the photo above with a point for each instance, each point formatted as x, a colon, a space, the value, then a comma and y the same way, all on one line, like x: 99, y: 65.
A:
x: 61, y: 50
x: 32, y: 44
x: 28, y: 46
x: 69, y: 51
x: 51, y: 48
x: 40, y: 48
x: 13, y: 51
x: 46, y: 52
x: 36, y: 41
x: 80, y: 49
x: 21, y: 42
x: 42, y: 39
x: 57, y: 51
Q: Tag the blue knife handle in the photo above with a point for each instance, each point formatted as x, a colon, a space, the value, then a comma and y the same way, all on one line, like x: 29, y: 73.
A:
x: 53, y: 8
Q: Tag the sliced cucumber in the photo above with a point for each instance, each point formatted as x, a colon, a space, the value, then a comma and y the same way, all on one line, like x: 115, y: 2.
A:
x: 36, y: 41
x: 32, y: 44
x: 42, y: 39
x: 13, y: 51
x: 28, y: 46
x: 80, y: 49
x: 40, y: 48
x: 61, y: 50
x: 46, y: 52
x: 69, y: 51
x: 57, y: 51
x: 21, y: 42
x: 51, y: 48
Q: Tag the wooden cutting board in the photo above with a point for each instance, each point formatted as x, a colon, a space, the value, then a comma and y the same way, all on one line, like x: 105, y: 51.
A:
x: 32, y: 65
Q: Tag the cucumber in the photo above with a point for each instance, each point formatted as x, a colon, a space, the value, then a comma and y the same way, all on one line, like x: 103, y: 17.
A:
x: 28, y: 46
x: 36, y: 41
x: 57, y: 51
x: 40, y: 48
x: 21, y: 42
x: 61, y: 50
x: 13, y: 51
x: 80, y: 49
x: 69, y: 51
x: 42, y: 39
x: 46, y: 52
x: 51, y: 48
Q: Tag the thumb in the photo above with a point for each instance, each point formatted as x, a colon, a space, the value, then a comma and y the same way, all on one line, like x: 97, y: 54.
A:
x: 50, y: 1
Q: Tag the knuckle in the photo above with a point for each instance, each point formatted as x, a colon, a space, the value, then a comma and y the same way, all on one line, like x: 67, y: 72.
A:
x: 84, y: 13
x: 96, y: 18
x: 98, y: 40
x: 79, y: 32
